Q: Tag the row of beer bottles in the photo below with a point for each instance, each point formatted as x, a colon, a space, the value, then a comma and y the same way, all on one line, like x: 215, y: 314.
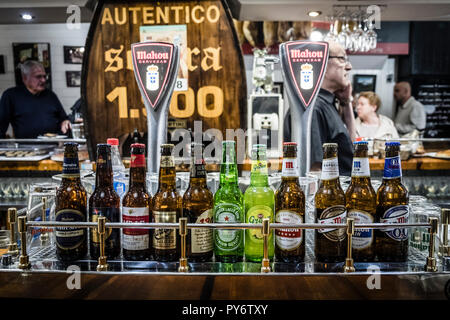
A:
x: 229, y: 205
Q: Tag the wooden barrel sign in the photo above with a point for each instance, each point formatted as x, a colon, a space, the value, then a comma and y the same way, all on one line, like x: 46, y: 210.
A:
x: 212, y: 86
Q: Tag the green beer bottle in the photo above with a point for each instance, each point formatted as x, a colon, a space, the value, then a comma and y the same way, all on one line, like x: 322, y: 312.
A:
x: 259, y: 201
x: 228, y: 208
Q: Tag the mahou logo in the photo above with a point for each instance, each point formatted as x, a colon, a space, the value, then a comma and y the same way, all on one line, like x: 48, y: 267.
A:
x: 152, y: 62
x: 306, y: 61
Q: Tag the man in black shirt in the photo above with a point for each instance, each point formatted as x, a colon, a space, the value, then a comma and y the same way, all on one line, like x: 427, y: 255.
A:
x: 327, y: 124
x: 32, y: 109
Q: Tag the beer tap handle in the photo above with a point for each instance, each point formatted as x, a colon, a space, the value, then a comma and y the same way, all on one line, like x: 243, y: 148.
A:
x: 349, y: 267
x: 431, y: 260
x: 12, y: 217
x: 44, y: 234
x: 265, y: 232
x: 102, y: 264
x: 24, y: 262
x: 183, y: 233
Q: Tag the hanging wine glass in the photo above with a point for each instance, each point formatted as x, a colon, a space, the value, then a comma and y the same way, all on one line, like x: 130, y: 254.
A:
x: 357, y: 35
x: 331, y: 35
x: 344, y: 36
x: 365, y: 45
x: 371, y: 36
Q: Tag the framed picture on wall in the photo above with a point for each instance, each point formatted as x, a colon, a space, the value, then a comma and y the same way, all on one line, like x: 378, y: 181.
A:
x: 364, y: 82
x: 73, y: 78
x: 31, y: 51
x: 73, y: 55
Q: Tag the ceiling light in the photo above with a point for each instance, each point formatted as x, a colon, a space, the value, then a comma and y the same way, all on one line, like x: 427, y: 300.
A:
x: 314, y: 13
x: 27, y: 16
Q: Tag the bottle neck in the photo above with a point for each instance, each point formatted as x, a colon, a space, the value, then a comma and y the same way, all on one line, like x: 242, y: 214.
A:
x: 137, y: 178
x: 259, y: 175
x: 198, y: 173
x: 167, y: 173
x: 104, y: 175
x: 392, y: 167
x: 330, y: 169
x: 228, y: 174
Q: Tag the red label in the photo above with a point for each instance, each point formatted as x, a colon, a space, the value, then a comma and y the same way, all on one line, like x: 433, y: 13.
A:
x: 135, y: 215
x: 137, y: 161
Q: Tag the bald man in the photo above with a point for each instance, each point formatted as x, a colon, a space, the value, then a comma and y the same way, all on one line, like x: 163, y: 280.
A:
x: 410, y: 114
x: 327, y: 123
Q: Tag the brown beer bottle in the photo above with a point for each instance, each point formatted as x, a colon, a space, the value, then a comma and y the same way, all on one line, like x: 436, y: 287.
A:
x: 71, y: 206
x: 330, y: 244
x: 166, y: 208
x: 392, y: 207
x: 136, y: 208
x: 105, y: 202
x: 198, y: 208
x: 361, y: 204
x: 290, y: 209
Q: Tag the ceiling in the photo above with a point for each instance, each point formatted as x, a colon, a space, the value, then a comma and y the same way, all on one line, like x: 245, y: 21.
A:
x: 55, y: 11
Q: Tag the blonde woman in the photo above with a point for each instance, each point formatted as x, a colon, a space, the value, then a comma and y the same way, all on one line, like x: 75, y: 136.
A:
x: 369, y: 124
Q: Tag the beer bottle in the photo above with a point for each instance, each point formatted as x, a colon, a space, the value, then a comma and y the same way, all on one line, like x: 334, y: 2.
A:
x: 166, y: 208
x: 71, y: 206
x: 330, y: 244
x: 228, y: 208
x: 290, y: 209
x: 136, y: 207
x: 361, y: 204
x: 259, y: 203
x: 105, y: 202
x: 392, y: 207
x: 197, y: 208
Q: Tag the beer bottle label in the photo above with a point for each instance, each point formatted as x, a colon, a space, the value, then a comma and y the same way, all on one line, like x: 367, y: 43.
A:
x: 227, y: 240
x: 256, y: 214
x: 135, y: 239
x: 164, y: 239
x: 69, y: 238
x: 395, y: 215
x: 71, y: 168
x: 362, y: 238
x: 202, y: 239
x: 137, y: 161
x: 167, y: 162
x: 392, y: 168
x: 198, y: 171
x: 290, y: 167
x: 330, y: 169
x: 111, y: 215
x: 288, y: 239
x: 333, y: 215
x: 259, y: 166
x: 360, y: 167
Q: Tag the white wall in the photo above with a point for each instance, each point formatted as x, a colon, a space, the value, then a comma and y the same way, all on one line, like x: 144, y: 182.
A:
x: 58, y: 36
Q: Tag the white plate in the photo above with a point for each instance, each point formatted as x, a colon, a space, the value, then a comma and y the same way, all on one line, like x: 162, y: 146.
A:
x: 434, y: 155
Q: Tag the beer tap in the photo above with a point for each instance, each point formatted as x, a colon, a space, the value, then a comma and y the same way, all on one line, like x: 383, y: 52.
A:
x: 303, y: 65
x: 155, y: 67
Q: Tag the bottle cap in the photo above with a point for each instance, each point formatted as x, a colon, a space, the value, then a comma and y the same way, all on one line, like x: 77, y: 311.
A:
x: 290, y: 144
x: 361, y: 142
x: 112, y: 141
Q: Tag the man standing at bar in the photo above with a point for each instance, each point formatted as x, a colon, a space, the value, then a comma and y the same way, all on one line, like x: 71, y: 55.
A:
x: 332, y: 120
x: 32, y: 109
x: 410, y: 113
